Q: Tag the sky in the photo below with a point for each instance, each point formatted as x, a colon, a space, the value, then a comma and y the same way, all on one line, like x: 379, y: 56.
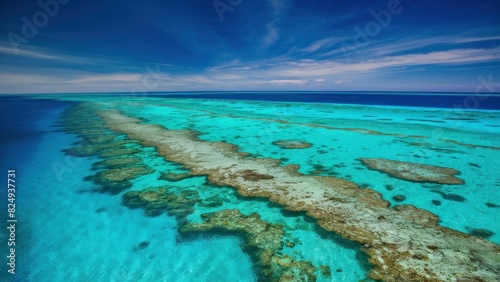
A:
x: 74, y: 46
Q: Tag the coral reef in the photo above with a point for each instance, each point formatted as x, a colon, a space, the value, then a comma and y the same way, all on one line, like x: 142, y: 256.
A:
x: 475, y: 165
x: 174, y: 177
x: 395, y: 239
x: 320, y: 169
x: 141, y: 246
x: 399, y: 198
x: 287, y: 122
x: 103, y: 150
x: 263, y: 240
x: 470, y: 145
x: 108, y: 176
x: 116, y: 163
x: 100, y: 210
x: 326, y: 271
x: 117, y: 151
x: 483, y: 233
x: 252, y: 175
x: 492, y: 205
x: 114, y: 188
x: 156, y: 201
x: 214, y: 201
x: 119, y: 164
x: 449, y: 197
x: 292, y: 144
x: 414, y: 172
x: 436, y: 202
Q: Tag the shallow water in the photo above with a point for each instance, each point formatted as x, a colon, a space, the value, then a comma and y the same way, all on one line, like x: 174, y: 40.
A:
x: 69, y: 232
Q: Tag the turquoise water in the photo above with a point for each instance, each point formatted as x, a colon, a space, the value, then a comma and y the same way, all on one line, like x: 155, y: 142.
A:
x: 339, y: 150
x: 67, y: 232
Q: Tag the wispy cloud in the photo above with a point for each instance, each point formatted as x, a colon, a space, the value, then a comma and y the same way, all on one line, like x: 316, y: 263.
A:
x: 38, y: 53
x: 314, y: 68
x: 451, y: 57
x: 272, y: 31
x: 320, y: 44
x: 271, y: 36
x: 475, y: 39
x: 113, y: 77
x: 388, y: 46
x: 342, y: 81
x: 284, y: 81
x: 4, y: 49
x: 237, y: 75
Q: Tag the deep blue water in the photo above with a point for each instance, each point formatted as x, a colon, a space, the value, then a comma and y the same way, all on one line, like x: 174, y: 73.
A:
x: 20, y: 132
x: 21, y: 129
x: 432, y: 100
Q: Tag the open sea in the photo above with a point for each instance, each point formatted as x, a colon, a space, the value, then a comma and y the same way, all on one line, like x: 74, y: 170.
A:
x: 81, y: 174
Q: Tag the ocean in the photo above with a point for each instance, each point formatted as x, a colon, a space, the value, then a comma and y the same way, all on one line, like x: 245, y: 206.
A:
x: 252, y: 186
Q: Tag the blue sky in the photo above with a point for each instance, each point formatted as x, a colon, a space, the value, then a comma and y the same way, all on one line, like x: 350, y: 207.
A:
x: 203, y: 45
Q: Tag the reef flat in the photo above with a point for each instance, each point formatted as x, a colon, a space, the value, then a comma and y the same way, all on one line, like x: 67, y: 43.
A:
x: 414, y: 172
x: 404, y: 243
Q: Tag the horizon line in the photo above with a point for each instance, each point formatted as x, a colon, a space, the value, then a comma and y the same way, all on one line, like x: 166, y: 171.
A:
x: 249, y: 91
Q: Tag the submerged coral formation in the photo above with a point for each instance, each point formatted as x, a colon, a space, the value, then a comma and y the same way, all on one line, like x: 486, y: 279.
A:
x: 121, y: 174
x: 174, y: 177
x: 116, y: 163
x: 292, y: 144
x: 265, y: 242
x: 288, y: 122
x: 399, y: 198
x: 326, y: 271
x: 484, y: 233
x: 141, y: 246
x: 470, y: 145
x: 449, y: 197
x: 103, y: 150
x: 156, y: 201
x: 492, y: 205
x: 119, y: 164
x: 404, y: 243
x: 414, y: 172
